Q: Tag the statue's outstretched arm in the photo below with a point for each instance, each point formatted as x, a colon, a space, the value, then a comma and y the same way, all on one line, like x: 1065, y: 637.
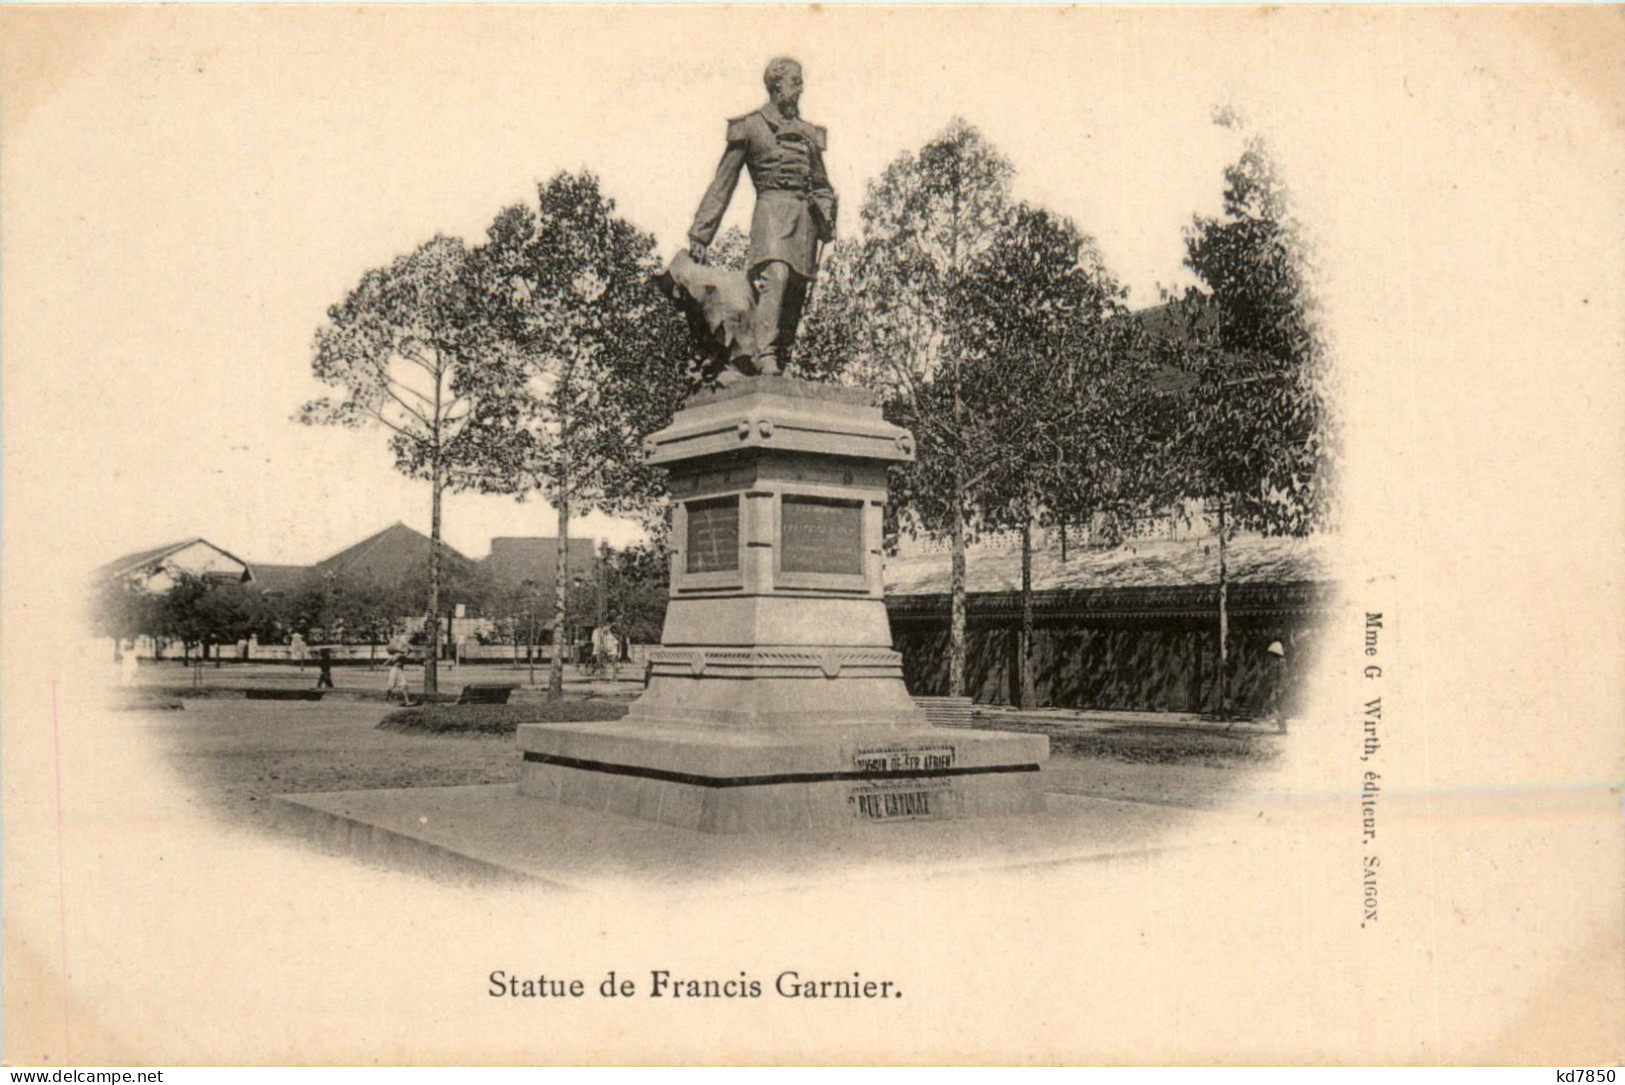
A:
x: 715, y: 203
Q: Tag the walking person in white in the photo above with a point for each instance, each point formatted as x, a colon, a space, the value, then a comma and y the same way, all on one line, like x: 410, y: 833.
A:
x: 128, y: 665
x: 397, y: 677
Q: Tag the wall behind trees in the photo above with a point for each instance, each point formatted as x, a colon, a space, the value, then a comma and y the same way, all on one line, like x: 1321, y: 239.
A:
x: 1137, y: 649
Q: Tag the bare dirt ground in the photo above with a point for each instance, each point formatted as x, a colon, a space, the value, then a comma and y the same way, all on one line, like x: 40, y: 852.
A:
x: 238, y: 754
x: 1192, y: 785
x: 1149, y: 757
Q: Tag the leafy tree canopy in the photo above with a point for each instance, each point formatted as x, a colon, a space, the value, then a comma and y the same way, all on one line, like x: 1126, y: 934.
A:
x: 1050, y: 372
x: 585, y: 356
x: 402, y: 348
x: 1258, y: 430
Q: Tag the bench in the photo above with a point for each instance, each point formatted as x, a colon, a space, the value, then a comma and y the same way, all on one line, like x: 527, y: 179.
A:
x: 486, y: 692
x: 283, y: 694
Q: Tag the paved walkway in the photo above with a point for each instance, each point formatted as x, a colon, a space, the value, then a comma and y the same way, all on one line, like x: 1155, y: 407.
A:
x: 481, y: 834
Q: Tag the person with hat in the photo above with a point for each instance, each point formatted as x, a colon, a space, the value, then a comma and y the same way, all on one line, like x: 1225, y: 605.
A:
x: 324, y: 663
x: 397, y: 676
x: 1277, y: 653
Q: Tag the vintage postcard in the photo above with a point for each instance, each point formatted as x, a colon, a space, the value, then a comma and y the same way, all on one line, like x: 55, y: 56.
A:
x: 638, y: 534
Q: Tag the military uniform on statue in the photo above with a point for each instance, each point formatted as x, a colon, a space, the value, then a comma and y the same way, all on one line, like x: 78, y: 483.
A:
x: 795, y: 212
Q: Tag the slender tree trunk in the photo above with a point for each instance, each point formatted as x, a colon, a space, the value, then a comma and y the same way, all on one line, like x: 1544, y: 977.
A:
x: 561, y: 615
x: 601, y: 575
x: 561, y: 574
x: 1063, y: 540
x: 956, y: 591
x: 956, y: 584
x: 600, y: 627
x: 431, y: 669
x: 1024, y: 643
x: 1224, y: 618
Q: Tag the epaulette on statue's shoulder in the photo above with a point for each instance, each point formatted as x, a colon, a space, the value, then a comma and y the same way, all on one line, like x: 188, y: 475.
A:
x: 736, y: 128
x: 820, y: 136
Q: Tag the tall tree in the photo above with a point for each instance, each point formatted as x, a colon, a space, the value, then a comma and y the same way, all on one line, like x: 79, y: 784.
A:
x: 360, y: 609
x: 1257, y: 441
x: 308, y: 609
x: 204, y: 612
x: 403, y: 349
x: 824, y: 344
x: 636, y: 583
x: 926, y: 220
x: 230, y: 611
x: 518, y: 609
x: 125, y: 609
x: 183, y: 615
x: 592, y: 359
x: 1039, y: 325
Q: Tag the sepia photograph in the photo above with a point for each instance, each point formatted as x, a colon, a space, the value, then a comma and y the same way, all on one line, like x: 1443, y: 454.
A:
x: 1105, y: 550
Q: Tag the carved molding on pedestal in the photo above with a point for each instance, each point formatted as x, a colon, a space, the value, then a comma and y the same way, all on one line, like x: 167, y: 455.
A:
x: 778, y: 662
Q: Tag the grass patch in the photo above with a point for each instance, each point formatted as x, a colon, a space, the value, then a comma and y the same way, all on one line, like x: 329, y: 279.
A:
x: 1167, y: 746
x: 497, y: 719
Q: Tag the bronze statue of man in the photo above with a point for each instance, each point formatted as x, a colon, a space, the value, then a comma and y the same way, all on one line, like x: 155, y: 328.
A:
x: 795, y: 210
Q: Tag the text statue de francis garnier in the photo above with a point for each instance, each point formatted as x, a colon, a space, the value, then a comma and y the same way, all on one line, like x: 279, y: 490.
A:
x: 748, y: 320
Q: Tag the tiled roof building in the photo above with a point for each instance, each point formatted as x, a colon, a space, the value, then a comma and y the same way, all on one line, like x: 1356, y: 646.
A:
x: 159, y: 567
x: 395, y: 553
x: 515, y: 560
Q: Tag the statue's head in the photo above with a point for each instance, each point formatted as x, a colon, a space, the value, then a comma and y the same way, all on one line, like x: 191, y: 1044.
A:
x: 783, y: 81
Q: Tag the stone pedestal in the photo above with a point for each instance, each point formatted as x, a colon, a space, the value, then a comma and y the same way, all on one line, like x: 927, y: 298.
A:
x: 775, y: 700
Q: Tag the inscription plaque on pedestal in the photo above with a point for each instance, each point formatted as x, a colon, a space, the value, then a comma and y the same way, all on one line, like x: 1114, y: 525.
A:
x: 713, y: 535
x: 904, y: 758
x: 820, y: 535
x: 900, y: 800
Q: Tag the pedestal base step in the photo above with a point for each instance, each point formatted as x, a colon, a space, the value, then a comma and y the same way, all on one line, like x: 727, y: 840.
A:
x: 719, y: 780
